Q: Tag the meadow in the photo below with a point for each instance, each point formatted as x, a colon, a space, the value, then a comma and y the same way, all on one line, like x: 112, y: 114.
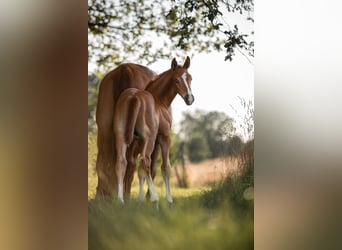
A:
x: 214, y: 215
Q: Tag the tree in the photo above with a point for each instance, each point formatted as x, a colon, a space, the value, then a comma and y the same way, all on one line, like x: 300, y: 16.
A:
x: 146, y: 30
x: 206, y: 131
x: 198, y: 148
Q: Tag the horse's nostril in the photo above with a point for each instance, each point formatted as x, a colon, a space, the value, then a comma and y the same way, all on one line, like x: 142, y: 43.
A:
x: 189, y: 99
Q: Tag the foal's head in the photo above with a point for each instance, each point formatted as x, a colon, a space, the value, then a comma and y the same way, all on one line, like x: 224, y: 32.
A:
x: 182, y: 80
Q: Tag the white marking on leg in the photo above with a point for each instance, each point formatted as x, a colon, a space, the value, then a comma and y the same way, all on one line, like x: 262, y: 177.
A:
x: 121, y: 164
x: 120, y: 193
x: 141, y: 184
x: 166, y: 177
x: 153, y: 192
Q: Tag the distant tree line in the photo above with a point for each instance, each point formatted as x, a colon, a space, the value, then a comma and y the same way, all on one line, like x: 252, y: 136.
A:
x: 209, y: 135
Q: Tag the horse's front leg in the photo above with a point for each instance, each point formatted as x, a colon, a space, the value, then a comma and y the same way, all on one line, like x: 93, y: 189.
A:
x: 165, y: 142
x: 154, y: 158
x: 145, y: 171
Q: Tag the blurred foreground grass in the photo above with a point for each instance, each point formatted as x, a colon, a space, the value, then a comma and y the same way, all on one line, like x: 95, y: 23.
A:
x: 217, y: 217
x: 198, y: 219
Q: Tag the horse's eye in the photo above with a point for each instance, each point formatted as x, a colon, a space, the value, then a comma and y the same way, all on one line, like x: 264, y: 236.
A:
x: 177, y: 81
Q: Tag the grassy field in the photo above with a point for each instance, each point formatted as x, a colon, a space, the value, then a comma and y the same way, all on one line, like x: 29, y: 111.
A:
x: 215, y: 216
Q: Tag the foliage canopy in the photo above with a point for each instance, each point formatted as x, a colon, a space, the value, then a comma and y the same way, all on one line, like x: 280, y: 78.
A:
x: 146, y: 30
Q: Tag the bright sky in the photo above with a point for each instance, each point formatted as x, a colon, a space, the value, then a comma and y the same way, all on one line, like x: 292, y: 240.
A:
x: 216, y: 84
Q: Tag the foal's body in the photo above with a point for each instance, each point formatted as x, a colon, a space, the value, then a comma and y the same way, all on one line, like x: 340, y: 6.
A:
x: 135, y: 116
x: 143, y: 119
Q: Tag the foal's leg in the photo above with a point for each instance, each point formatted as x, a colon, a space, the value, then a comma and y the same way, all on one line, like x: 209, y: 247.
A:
x: 121, y: 164
x: 142, y: 176
x: 144, y: 171
x: 131, y: 155
x: 165, y: 142
x: 154, y: 158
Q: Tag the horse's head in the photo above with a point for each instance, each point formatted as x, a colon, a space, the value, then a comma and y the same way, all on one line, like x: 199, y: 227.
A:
x: 182, y: 80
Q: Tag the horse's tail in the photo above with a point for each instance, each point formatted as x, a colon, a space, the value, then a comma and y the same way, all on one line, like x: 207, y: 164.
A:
x: 132, y: 114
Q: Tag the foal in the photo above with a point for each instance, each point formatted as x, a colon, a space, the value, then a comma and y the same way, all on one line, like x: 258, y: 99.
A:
x: 144, y: 117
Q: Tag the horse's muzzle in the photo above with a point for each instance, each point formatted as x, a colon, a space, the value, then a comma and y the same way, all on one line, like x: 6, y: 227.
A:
x: 189, y: 99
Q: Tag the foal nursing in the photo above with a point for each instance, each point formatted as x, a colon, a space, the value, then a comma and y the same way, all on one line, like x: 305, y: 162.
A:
x: 142, y: 119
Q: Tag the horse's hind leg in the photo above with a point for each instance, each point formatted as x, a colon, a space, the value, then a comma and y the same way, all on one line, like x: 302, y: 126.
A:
x: 145, y: 162
x: 132, y: 153
x: 107, y: 181
x: 142, y: 176
x: 154, y: 158
x: 144, y: 171
x: 121, y: 164
x: 166, y: 166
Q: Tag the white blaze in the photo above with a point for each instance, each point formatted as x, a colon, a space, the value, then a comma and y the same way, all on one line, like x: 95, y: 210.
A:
x: 186, y: 83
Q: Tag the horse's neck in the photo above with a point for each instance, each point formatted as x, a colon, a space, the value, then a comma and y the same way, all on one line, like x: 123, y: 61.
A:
x: 163, y: 95
x: 162, y: 90
x: 165, y: 121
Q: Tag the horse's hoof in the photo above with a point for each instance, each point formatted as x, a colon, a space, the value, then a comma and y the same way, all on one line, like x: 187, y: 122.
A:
x: 121, y: 202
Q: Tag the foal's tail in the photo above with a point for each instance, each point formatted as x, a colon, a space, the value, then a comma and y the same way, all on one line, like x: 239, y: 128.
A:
x: 133, y: 110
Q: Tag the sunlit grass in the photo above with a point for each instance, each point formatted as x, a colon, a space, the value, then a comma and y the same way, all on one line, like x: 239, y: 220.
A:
x: 216, y: 217
x: 194, y: 221
x: 159, y: 185
x: 185, y: 225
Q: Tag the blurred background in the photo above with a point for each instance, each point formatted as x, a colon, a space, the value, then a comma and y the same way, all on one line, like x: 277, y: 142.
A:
x: 44, y: 106
x: 212, y: 140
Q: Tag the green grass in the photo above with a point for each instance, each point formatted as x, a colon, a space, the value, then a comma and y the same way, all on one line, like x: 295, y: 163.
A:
x: 212, y: 218
x: 192, y: 222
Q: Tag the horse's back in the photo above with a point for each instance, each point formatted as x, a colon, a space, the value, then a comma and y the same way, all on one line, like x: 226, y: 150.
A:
x: 143, y: 99
x: 128, y: 75
x: 143, y: 95
x: 140, y: 102
x: 125, y: 76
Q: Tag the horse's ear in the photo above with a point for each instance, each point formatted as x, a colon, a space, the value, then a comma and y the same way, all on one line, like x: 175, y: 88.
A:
x: 173, y: 64
x: 187, y: 63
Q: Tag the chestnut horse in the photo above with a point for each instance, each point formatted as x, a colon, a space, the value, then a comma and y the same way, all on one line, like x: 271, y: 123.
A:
x: 125, y: 76
x: 142, y: 119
